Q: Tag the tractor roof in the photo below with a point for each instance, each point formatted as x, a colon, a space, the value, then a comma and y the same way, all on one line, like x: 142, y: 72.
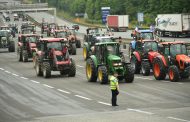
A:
x: 176, y: 42
x: 106, y: 43
x: 145, y: 31
x: 28, y: 35
x: 53, y: 39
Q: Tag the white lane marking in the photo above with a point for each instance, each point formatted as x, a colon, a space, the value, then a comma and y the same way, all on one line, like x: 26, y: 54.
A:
x: 178, y: 119
x: 48, y: 86
x: 15, y: 74
x: 7, y: 71
x: 2, y: 69
x: 24, y: 78
x: 180, y: 83
x: 83, y: 97
x: 144, y: 78
x: 80, y: 66
x: 63, y: 91
x: 140, y: 111
x: 104, y: 103
x: 34, y: 81
x: 165, y: 81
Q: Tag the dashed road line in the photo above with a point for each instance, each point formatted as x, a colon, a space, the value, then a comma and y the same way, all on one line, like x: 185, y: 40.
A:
x: 2, y: 69
x: 48, y: 86
x: 86, y: 98
x: 15, y: 74
x: 180, y: 83
x: 104, y: 103
x: 178, y: 119
x: 7, y: 71
x: 140, y: 111
x: 80, y: 66
x: 34, y: 81
x: 63, y: 91
x: 143, y: 78
x: 24, y: 78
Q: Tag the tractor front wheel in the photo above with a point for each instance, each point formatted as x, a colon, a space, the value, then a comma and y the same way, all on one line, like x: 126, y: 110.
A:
x: 74, y: 52
x: 173, y: 73
x: 91, y: 71
x: 85, y: 52
x: 25, y: 56
x: 46, y: 70
x: 135, y: 64
x: 129, y: 74
x: 102, y: 75
x: 72, y: 71
x: 184, y: 75
x: 12, y: 46
x: 145, y: 68
x: 159, y: 69
x: 38, y: 69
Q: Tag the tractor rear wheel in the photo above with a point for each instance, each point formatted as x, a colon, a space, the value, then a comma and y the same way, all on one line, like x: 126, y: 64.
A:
x: 72, y: 71
x: 135, y: 64
x: 24, y: 56
x: 145, y: 68
x: 129, y: 74
x: 91, y: 71
x: 12, y: 46
x: 159, y: 69
x: 173, y: 73
x: 38, y: 69
x: 102, y: 75
x: 85, y: 53
x: 46, y: 70
x: 19, y: 55
x: 74, y: 49
x: 78, y: 43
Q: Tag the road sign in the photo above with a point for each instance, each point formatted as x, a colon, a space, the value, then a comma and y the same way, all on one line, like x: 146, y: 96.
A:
x: 140, y: 17
x: 105, y: 13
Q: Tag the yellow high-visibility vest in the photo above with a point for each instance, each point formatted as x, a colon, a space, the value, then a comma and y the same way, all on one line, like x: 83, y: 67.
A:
x: 113, y: 83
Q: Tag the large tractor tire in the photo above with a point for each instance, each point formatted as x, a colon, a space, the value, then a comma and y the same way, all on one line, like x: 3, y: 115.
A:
x: 78, y: 43
x: 145, y: 68
x: 11, y: 46
x: 135, y: 64
x: 46, y: 70
x: 159, y: 69
x: 129, y: 74
x: 38, y: 69
x: 72, y: 71
x: 173, y: 73
x: 91, y: 71
x: 25, y: 56
x: 85, y: 52
x: 184, y: 75
x: 74, y: 51
x: 103, y: 74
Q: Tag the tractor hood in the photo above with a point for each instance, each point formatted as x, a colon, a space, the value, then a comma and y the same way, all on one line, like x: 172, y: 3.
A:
x: 114, y: 58
x: 58, y: 53
x: 152, y: 54
x: 183, y: 58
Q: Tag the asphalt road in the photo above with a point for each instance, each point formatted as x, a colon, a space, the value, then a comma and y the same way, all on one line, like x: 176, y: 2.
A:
x: 26, y: 97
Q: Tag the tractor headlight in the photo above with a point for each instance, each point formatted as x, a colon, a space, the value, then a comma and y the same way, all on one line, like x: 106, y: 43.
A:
x: 117, y: 64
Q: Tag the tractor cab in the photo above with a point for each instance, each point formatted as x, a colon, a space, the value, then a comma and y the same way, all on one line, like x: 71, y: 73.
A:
x: 60, y: 34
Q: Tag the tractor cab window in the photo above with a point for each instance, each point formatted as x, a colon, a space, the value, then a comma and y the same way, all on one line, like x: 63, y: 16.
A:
x: 138, y: 46
x: 146, y: 36
x: 166, y: 51
x: 61, y: 34
x: 150, y: 46
x: 177, y: 49
x: 112, y: 49
x: 55, y: 45
x: 105, y: 40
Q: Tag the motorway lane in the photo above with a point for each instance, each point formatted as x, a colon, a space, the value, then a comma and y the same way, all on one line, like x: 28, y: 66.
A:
x: 145, y: 96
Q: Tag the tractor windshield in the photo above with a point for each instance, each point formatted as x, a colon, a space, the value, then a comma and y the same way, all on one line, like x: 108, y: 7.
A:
x: 150, y: 46
x: 61, y: 34
x: 32, y: 39
x: 105, y: 40
x: 112, y: 49
x: 146, y: 36
x: 55, y: 45
x: 178, y: 49
x: 4, y: 33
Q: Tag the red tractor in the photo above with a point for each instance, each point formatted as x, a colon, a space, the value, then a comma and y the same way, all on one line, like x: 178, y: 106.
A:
x: 52, y: 55
x: 142, y: 56
x: 26, y: 46
x: 173, y: 60
x: 72, y: 37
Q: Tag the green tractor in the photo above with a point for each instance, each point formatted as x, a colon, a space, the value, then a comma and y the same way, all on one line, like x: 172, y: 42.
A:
x: 105, y: 60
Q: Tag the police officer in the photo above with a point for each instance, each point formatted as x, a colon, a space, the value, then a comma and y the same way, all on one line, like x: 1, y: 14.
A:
x: 114, y: 86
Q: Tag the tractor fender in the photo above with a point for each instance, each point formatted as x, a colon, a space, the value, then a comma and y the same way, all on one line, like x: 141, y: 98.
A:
x: 137, y: 55
x: 162, y: 58
x: 93, y: 57
x: 86, y: 45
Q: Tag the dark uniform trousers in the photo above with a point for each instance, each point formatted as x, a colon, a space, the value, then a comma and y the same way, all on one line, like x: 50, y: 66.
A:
x: 114, y: 97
